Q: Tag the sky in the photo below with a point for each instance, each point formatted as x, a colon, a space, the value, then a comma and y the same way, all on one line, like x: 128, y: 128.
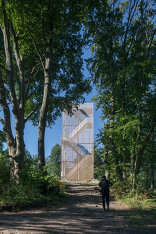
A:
x: 53, y: 134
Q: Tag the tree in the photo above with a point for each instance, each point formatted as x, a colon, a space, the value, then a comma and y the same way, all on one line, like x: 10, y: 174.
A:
x: 122, y: 70
x: 54, y: 162
x: 8, y: 81
x: 99, y: 164
x: 60, y: 52
x: 41, y: 68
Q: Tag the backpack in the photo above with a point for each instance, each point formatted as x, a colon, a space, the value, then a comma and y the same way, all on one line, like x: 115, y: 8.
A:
x: 104, y: 184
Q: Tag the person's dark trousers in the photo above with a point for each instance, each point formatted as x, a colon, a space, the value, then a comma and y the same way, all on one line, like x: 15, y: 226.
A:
x: 105, y: 199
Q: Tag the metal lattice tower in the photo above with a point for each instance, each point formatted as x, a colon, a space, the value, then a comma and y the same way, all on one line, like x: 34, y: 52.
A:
x: 77, y: 144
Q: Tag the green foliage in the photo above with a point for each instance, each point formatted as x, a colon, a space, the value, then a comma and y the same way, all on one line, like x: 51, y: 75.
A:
x: 99, y: 168
x: 4, y: 172
x: 34, y: 188
x: 137, y: 199
x: 53, y: 163
x: 122, y: 69
x: 34, y: 27
x: 51, y: 30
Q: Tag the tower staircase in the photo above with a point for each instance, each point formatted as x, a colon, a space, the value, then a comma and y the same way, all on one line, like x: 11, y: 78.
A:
x: 77, y: 168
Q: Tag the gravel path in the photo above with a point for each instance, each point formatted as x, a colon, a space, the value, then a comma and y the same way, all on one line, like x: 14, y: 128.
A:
x: 82, y: 213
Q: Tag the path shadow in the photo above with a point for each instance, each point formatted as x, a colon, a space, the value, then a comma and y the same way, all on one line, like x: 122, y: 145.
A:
x: 82, y: 213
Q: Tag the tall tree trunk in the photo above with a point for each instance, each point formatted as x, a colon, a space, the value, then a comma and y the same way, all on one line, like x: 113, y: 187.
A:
x: 19, y: 120
x: 7, y: 128
x: 112, y: 101
x: 124, y: 149
x: 20, y: 146
x: 113, y: 148
x: 17, y: 147
x: 44, y: 107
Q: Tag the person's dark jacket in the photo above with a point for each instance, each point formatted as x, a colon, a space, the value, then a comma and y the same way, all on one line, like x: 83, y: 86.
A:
x: 104, y: 184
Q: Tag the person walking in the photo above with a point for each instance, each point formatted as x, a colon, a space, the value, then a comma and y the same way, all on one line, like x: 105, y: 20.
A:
x: 104, y: 184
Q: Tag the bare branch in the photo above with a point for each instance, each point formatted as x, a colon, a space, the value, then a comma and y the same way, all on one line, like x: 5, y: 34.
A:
x: 10, y: 69
x: 19, y: 61
x: 34, y: 91
x: 2, y: 121
x: 132, y: 11
x: 150, y: 43
x: 28, y: 86
x: 16, y: 48
x: 32, y: 72
x: 149, y: 10
x: 36, y: 48
x: 31, y: 76
x: 6, y: 122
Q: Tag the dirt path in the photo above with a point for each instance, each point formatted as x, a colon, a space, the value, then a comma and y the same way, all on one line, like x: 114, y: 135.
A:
x: 82, y: 213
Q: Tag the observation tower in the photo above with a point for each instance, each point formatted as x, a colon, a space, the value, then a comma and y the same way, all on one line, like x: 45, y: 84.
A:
x: 77, y: 144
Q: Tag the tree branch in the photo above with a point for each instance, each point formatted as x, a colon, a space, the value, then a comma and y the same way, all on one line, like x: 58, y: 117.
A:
x: 150, y: 43
x: 6, y: 122
x: 20, y: 67
x: 16, y: 48
x: 41, y: 85
x: 36, y: 48
x: 10, y: 156
x: 2, y: 121
x: 31, y: 76
x: 31, y: 113
x: 130, y: 17
x: 144, y: 144
x: 10, y: 70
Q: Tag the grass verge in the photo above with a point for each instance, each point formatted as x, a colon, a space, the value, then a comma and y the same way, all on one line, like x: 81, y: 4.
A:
x: 33, y: 199
x: 142, y: 212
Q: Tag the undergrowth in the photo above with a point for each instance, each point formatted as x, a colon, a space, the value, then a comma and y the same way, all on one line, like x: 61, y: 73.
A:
x: 136, y: 198
x: 35, y: 187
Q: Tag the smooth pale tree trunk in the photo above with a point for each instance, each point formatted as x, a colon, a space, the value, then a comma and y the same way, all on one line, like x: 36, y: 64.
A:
x: 42, y: 123
x: 16, y: 148
x: 19, y: 119
x: 44, y: 107
x: 7, y: 131
x: 20, y: 146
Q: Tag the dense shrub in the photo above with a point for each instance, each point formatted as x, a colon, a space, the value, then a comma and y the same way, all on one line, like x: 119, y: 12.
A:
x: 4, y: 172
x: 34, y: 186
x: 136, y: 198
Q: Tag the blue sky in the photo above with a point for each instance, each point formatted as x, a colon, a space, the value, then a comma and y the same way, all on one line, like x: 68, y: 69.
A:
x: 53, y: 135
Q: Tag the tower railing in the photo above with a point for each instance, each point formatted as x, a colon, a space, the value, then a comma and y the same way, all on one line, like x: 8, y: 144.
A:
x: 77, y: 161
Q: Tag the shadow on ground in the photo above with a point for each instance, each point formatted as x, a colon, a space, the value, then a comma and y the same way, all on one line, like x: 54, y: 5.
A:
x: 82, y: 213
